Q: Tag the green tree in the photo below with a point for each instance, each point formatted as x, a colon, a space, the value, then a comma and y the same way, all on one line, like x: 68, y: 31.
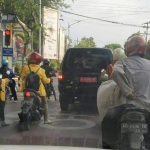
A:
x: 28, y: 10
x: 86, y: 42
x: 113, y: 46
x: 147, y: 56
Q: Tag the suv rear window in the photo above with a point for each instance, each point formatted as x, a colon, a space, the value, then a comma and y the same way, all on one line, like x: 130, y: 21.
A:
x: 87, y: 58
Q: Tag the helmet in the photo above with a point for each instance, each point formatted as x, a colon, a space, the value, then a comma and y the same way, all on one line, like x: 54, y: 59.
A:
x: 34, y: 58
x: 4, y: 62
x: 135, y: 45
x: 46, y: 62
x: 118, y: 53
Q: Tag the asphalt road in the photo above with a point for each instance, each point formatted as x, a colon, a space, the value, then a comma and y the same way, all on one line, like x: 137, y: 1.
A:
x: 78, y: 127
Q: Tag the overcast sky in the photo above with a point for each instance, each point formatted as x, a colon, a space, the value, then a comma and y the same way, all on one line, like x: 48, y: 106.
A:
x: 134, y: 12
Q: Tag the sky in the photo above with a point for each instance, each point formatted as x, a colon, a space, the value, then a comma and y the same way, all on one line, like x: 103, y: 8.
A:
x: 135, y: 12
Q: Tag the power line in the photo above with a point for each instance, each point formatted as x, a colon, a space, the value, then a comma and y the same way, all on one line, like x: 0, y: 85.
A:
x: 95, y: 21
x: 104, y: 20
x: 106, y: 8
x: 127, y: 6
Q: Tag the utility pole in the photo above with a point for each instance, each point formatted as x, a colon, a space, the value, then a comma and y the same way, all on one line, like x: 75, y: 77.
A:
x: 147, y: 23
x: 40, y: 24
x: 69, y: 31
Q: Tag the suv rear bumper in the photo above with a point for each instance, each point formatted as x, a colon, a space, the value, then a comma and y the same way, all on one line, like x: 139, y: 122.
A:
x: 85, y: 95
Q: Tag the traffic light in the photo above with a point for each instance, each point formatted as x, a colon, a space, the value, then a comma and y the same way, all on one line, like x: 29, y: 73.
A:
x: 7, y: 37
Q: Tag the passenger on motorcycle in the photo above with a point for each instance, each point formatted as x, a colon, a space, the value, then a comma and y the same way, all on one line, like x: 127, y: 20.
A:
x: 132, y: 76
x: 3, y: 83
x: 118, y: 54
x: 49, y: 73
x: 46, y: 66
x: 34, y: 59
x: 12, y: 83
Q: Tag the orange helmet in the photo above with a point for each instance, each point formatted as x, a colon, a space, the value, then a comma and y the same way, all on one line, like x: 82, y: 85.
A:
x: 135, y: 45
x: 34, y: 58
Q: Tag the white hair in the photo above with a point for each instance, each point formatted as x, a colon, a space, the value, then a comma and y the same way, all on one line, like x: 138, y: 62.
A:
x: 118, y: 53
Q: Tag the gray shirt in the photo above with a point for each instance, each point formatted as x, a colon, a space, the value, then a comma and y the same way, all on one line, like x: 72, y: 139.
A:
x: 132, y: 74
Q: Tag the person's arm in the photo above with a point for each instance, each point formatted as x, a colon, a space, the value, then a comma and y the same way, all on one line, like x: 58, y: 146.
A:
x: 44, y: 79
x: 23, y: 75
x: 7, y: 80
x: 120, y: 78
x: 11, y: 75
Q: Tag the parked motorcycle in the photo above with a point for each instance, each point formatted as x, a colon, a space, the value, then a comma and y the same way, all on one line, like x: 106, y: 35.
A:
x: 30, y: 110
x: 133, y: 128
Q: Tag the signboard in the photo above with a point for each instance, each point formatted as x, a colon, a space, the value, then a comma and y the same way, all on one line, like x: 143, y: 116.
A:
x: 61, y: 44
x: 50, y: 25
x: 8, y: 52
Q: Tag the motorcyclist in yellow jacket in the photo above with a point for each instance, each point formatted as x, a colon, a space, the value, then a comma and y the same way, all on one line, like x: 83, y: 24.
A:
x: 34, y: 59
x: 3, y: 83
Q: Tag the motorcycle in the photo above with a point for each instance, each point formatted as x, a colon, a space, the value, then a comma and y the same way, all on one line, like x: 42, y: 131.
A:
x: 50, y: 88
x: 133, y: 129
x: 30, y: 110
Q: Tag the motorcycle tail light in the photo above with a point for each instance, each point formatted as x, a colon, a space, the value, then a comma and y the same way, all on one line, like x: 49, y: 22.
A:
x: 60, y: 77
x: 28, y: 94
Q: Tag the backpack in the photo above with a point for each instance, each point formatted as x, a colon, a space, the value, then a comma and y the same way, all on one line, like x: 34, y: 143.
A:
x: 3, y: 72
x: 33, y: 80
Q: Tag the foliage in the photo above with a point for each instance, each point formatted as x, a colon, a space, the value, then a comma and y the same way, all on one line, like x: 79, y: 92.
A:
x: 29, y: 9
x: 86, y: 42
x: 55, y: 64
x: 113, y: 46
x: 147, y: 56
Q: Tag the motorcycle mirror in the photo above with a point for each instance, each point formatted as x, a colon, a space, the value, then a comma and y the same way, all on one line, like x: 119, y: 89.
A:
x: 8, y: 72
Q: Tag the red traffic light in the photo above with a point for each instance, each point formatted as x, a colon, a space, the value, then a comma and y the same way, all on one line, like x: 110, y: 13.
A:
x: 7, y: 32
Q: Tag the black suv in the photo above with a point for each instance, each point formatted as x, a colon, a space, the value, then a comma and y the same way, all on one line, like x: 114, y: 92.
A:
x: 80, y: 75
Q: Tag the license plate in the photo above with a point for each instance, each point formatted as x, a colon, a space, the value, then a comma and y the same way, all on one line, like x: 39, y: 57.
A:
x: 134, y: 128
x: 88, y: 79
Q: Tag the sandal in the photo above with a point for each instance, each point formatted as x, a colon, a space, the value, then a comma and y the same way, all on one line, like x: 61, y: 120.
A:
x: 48, y: 122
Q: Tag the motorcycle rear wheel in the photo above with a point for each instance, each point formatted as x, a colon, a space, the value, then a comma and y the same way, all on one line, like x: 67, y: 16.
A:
x: 27, y: 120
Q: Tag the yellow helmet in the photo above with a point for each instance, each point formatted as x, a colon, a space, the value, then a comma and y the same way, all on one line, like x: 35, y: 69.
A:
x: 118, y: 53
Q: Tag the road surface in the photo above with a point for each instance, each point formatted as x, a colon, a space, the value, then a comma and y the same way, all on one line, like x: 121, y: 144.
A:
x: 78, y: 127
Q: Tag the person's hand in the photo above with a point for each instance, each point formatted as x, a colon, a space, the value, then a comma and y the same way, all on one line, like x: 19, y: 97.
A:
x: 103, y: 72
x: 132, y: 96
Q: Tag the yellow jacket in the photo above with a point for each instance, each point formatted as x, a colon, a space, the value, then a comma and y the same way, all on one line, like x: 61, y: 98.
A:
x: 42, y: 75
x: 3, y: 85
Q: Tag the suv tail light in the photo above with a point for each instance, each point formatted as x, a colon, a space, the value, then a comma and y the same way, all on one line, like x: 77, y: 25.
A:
x: 60, y: 76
